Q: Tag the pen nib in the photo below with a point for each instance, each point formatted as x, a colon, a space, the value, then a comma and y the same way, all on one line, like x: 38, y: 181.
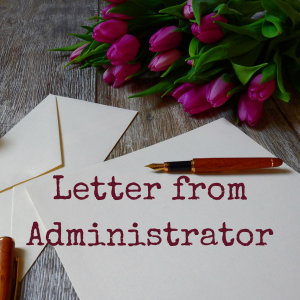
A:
x: 156, y: 167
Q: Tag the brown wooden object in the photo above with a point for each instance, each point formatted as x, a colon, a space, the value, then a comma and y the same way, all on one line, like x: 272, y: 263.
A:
x: 7, y: 259
x: 204, y: 165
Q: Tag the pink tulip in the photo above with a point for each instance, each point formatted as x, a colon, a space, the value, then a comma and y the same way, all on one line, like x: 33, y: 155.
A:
x: 121, y: 72
x: 123, y: 50
x: 183, y: 89
x: 192, y: 97
x: 188, y: 10
x: 110, y: 31
x: 108, y: 75
x: 218, y: 90
x: 164, y: 60
x: 261, y: 91
x: 77, y: 52
x: 209, y: 32
x: 165, y: 39
x: 110, y: 15
x: 248, y: 110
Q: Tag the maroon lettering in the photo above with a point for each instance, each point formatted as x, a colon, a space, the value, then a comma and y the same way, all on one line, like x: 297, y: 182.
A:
x: 222, y: 191
x: 58, y: 195
x: 150, y: 187
x: 179, y: 184
x: 129, y: 191
x: 37, y: 236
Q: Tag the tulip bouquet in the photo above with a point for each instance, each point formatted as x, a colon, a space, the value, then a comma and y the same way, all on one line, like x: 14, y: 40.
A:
x: 208, y: 51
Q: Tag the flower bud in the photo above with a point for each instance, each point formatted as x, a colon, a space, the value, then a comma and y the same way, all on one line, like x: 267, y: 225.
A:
x: 123, y: 50
x: 164, y: 60
x: 188, y: 10
x: 261, y: 91
x: 108, y: 75
x: 77, y: 52
x: 110, y: 31
x: 191, y: 62
x: 218, y: 90
x: 209, y: 32
x: 165, y: 39
x: 192, y: 97
x: 121, y: 72
x: 110, y: 15
x: 248, y: 110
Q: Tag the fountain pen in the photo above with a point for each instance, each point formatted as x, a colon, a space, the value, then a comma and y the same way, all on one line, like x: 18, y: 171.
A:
x: 210, y: 165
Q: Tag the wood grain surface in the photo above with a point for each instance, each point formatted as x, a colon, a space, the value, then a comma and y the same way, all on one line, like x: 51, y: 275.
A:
x: 28, y: 73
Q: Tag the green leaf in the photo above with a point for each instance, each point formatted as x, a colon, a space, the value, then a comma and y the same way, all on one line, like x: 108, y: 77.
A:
x: 292, y: 50
x: 86, y: 65
x: 253, y: 30
x: 193, y: 48
x: 234, y: 103
x: 185, y: 29
x: 229, y: 77
x: 188, y: 79
x: 237, y: 89
x: 223, y: 9
x: 228, y: 48
x: 97, y: 18
x: 176, y: 65
x: 288, y: 10
x: 280, y: 39
x: 169, y: 3
x: 294, y: 73
x: 280, y: 92
x: 214, y: 71
x: 143, y: 69
x: 85, y: 37
x: 88, y: 28
x: 153, y: 5
x: 100, y: 50
x: 276, y: 21
x: 91, y: 47
x: 204, y: 7
x: 69, y: 48
x: 139, y: 25
x: 174, y: 10
x: 246, y: 8
x: 269, y: 72
x: 250, y: 58
x: 272, y: 26
x: 272, y: 7
x: 244, y: 73
x: 129, y: 8
x: 165, y: 84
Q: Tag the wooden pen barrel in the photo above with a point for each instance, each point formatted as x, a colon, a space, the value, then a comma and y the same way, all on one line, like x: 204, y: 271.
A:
x: 7, y: 258
x: 205, y: 165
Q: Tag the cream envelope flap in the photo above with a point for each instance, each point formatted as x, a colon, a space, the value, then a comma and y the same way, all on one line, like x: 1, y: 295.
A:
x: 179, y: 272
x: 89, y: 131
x: 32, y: 147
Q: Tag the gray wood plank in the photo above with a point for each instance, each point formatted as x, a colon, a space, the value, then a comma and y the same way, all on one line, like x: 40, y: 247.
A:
x: 28, y: 74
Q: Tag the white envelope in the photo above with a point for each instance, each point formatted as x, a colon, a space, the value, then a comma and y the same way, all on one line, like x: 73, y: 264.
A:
x: 71, y: 135
x: 180, y: 272
x: 29, y: 149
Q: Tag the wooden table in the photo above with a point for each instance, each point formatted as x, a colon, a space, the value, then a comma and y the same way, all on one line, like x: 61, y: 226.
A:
x: 28, y: 73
